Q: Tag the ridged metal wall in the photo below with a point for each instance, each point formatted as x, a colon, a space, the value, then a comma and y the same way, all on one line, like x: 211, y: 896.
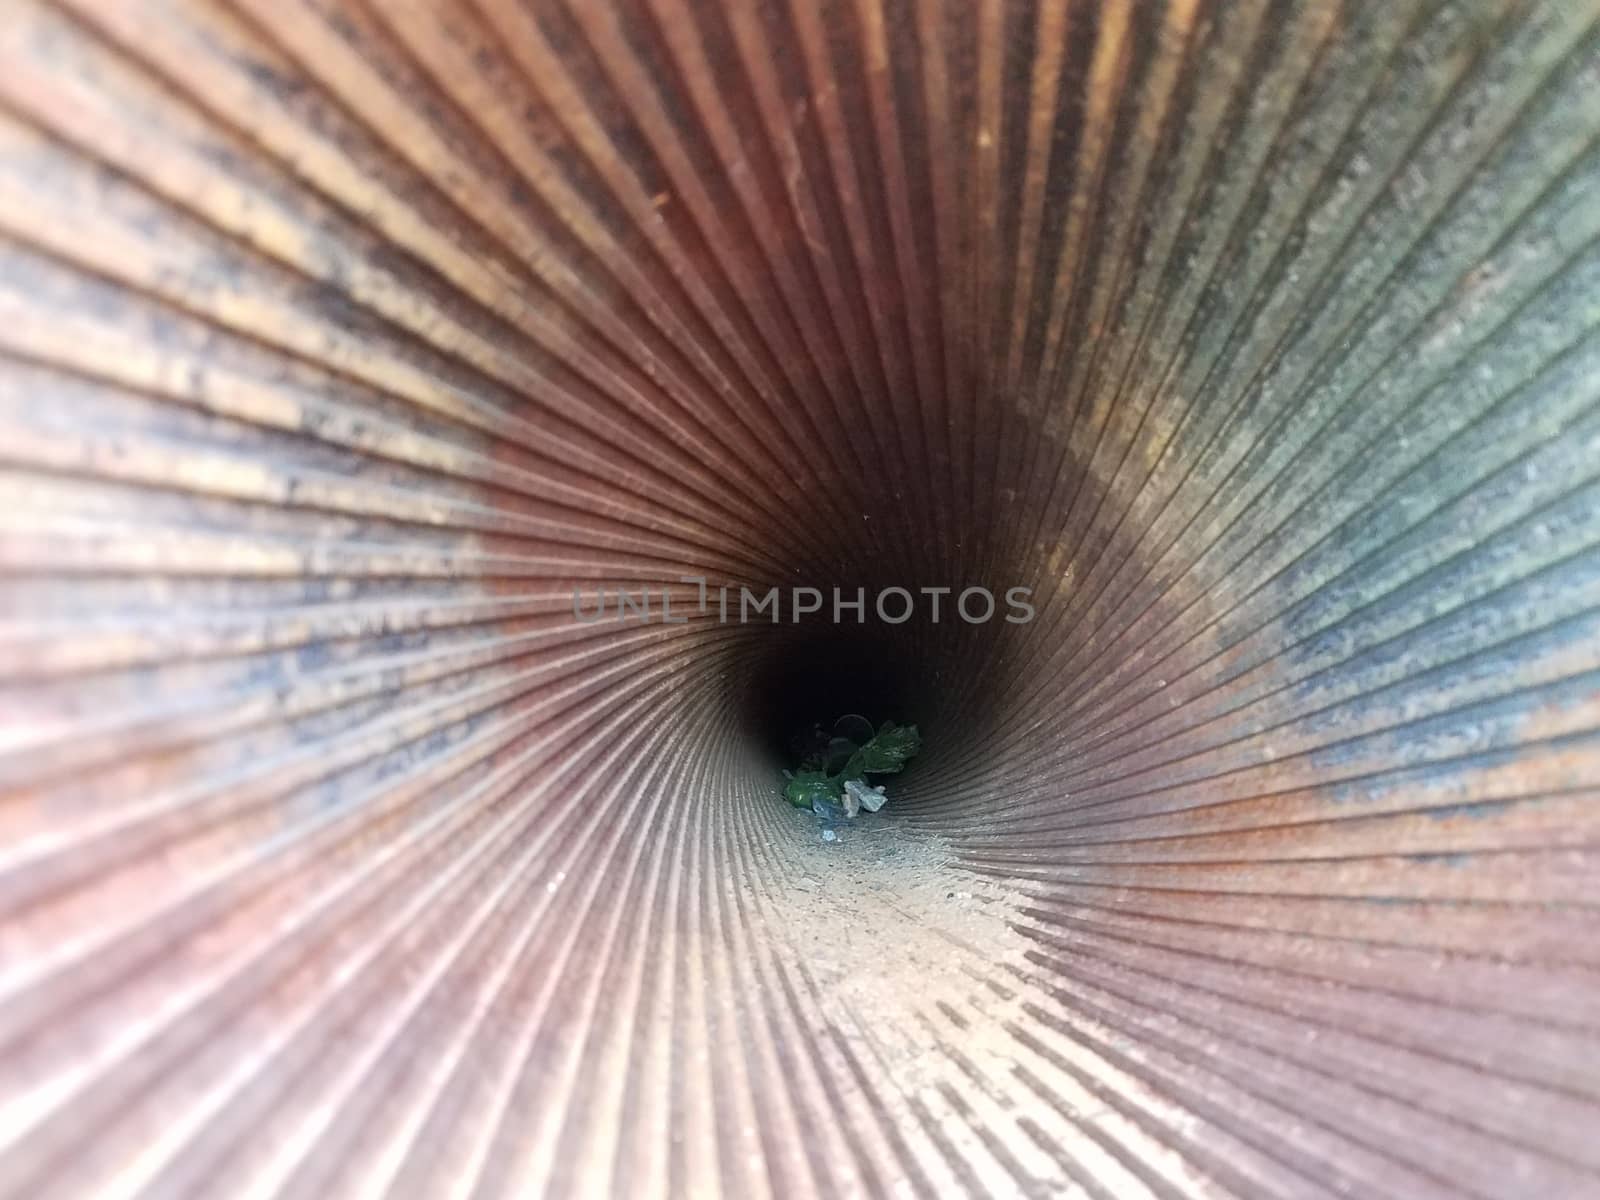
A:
x: 341, y: 341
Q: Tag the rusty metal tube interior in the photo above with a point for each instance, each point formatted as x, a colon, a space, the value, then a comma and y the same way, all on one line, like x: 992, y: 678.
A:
x: 345, y: 344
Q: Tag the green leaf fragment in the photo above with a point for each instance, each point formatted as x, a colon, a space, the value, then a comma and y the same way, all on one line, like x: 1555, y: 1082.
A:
x: 808, y: 785
x: 886, y: 753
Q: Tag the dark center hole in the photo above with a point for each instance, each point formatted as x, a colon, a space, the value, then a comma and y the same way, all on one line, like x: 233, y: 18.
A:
x: 816, y: 675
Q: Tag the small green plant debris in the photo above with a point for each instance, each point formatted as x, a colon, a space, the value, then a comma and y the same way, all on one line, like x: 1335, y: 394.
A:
x: 831, y: 778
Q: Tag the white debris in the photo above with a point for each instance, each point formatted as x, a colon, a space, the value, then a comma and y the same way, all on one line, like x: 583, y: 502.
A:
x: 858, y: 795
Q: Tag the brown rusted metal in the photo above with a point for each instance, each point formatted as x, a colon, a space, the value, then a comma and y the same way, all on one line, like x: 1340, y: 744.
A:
x: 341, y: 342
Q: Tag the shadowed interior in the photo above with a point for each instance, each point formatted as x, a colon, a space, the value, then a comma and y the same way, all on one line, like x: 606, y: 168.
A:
x: 342, y: 342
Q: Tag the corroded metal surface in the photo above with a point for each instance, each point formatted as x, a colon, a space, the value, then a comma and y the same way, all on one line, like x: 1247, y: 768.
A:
x: 341, y: 341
